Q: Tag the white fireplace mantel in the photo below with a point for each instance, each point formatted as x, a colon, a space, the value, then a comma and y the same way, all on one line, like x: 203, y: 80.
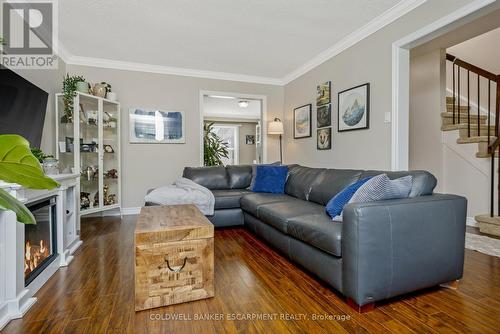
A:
x: 15, y: 297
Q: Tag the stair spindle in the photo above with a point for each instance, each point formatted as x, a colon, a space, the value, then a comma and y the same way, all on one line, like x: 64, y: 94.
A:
x: 454, y: 92
x: 492, y: 185
x: 458, y: 93
x: 478, y: 108
x: 489, y: 110
x: 468, y: 103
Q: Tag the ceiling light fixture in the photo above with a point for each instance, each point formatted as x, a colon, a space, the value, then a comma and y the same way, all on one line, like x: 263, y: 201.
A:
x: 222, y: 97
x: 243, y: 104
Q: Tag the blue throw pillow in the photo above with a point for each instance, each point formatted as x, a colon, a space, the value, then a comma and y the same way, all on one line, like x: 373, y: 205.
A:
x: 270, y: 179
x: 335, y: 205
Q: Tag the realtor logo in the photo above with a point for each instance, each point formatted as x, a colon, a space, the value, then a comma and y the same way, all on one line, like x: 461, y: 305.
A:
x: 29, y: 34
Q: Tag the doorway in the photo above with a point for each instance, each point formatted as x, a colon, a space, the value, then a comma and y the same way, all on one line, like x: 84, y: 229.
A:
x: 234, y: 122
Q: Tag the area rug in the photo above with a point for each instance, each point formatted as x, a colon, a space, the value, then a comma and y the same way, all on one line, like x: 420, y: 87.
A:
x: 482, y: 244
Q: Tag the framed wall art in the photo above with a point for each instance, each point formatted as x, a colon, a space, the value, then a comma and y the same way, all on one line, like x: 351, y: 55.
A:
x: 155, y: 126
x: 354, y: 108
x: 323, y: 93
x: 324, y: 115
x: 324, y: 139
x: 302, y: 126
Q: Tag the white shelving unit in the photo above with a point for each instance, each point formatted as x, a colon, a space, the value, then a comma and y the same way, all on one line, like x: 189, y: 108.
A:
x: 88, y: 144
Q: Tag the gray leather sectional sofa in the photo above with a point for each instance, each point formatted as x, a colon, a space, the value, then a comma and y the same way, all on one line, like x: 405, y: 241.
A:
x: 380, y: 250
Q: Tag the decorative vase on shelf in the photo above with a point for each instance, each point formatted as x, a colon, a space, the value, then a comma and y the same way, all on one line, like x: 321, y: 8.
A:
x: 50, y: 166
x: 100, y: 89
x: 83, y: 87
x: 111, y: 96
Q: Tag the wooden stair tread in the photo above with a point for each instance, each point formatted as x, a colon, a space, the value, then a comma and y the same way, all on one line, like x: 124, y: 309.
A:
x: 487, y: 219
x: 463, y: 108
x: 462, y: 115
x: 476, y: 139
x: 450, y: 127
x: 483, y: 155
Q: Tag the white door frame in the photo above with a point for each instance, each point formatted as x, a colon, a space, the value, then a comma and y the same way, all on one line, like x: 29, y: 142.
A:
x: 401, y: 76
x: 263, y: 116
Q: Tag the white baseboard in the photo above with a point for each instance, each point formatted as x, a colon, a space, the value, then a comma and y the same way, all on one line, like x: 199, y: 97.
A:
x: 471, y: 222
x: 131, y: 210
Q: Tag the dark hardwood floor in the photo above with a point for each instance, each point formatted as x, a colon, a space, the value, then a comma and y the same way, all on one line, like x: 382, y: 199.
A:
x: 95, y: 295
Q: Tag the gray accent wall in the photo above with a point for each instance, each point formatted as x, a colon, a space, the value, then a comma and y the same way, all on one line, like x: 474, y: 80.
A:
x: 370, y: 60
x: 146, y: 166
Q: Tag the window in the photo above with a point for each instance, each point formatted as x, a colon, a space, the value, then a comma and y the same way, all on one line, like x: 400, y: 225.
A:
x: 230, y: 136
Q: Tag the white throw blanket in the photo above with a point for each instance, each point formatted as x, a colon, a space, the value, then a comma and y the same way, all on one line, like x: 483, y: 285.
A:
x: 184, y: 191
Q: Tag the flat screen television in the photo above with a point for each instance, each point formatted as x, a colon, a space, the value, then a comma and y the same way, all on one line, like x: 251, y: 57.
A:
x: 22, y: 107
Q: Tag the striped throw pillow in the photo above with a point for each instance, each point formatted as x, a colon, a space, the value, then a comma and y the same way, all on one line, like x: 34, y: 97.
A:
x: 381, y: 188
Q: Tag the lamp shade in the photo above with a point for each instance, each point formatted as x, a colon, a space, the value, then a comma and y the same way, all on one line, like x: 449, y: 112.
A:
x: 275, y: 128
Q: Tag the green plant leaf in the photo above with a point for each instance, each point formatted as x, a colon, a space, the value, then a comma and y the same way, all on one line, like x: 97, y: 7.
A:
x: 18, y: 165
x: 23, y: 214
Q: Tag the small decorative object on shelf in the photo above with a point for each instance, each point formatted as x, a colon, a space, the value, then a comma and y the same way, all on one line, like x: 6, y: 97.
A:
x: 84, y: 200
x: 101, y: 89
x: 109, y: 149
x: 83, y: 87
x: 92, y: 116
x: 109, y: 121
x: 90, y: 147
x: 111, y: 95
x: 111, y: 174
x: 51, y: 166
x: 89, y: 173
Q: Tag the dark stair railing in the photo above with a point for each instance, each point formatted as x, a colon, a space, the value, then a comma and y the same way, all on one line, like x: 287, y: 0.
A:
x: 459, y: 67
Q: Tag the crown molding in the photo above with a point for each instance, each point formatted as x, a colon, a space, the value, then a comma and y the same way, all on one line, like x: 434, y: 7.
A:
x: 371, y: 27
x: 187, y: 72
x: 386, y: 18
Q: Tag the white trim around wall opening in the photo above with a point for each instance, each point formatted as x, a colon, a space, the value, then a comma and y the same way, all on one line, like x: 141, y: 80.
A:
x: 401, y: 76
x: 263, y: 116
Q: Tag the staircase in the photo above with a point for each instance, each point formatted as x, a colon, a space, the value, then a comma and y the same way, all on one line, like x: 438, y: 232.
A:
x: 477, y: 127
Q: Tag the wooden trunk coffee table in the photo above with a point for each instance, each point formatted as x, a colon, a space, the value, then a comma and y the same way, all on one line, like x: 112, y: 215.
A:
x: 174, y: 256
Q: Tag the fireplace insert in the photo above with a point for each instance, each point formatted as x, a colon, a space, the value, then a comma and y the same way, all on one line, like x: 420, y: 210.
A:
x: 40, y: 240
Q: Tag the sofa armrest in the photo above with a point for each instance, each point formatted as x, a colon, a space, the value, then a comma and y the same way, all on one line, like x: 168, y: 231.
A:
x: 398, y: 246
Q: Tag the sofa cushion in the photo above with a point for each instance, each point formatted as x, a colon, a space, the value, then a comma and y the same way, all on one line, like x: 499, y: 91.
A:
x: 330, y: 183
x: 423, y: 182
x: 270, y: 179
x: 277, y: 214
x: 229, y: 199
x: 251, y: 202
x: 240, y: 176
x: 300, y: 180
x: 210, y: 177
x: 335, y: 206
x: 317, y: 230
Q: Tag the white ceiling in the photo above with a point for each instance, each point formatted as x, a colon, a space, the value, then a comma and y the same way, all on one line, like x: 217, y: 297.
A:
x: 228, y: 108
x: 261, y: 38
x: 482, y: 51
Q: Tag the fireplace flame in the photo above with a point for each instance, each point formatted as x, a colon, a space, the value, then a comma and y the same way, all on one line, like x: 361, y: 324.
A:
x: 34, y: 255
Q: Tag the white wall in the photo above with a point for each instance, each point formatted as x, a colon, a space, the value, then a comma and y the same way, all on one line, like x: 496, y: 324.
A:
x: 368, y: 61
x: 150, y: 165
x: 426, y: 103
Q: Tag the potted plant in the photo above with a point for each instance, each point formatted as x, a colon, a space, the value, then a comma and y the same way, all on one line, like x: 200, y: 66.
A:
x: 69, y: 90
x: 214, y: 149
x: 19, y: 165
